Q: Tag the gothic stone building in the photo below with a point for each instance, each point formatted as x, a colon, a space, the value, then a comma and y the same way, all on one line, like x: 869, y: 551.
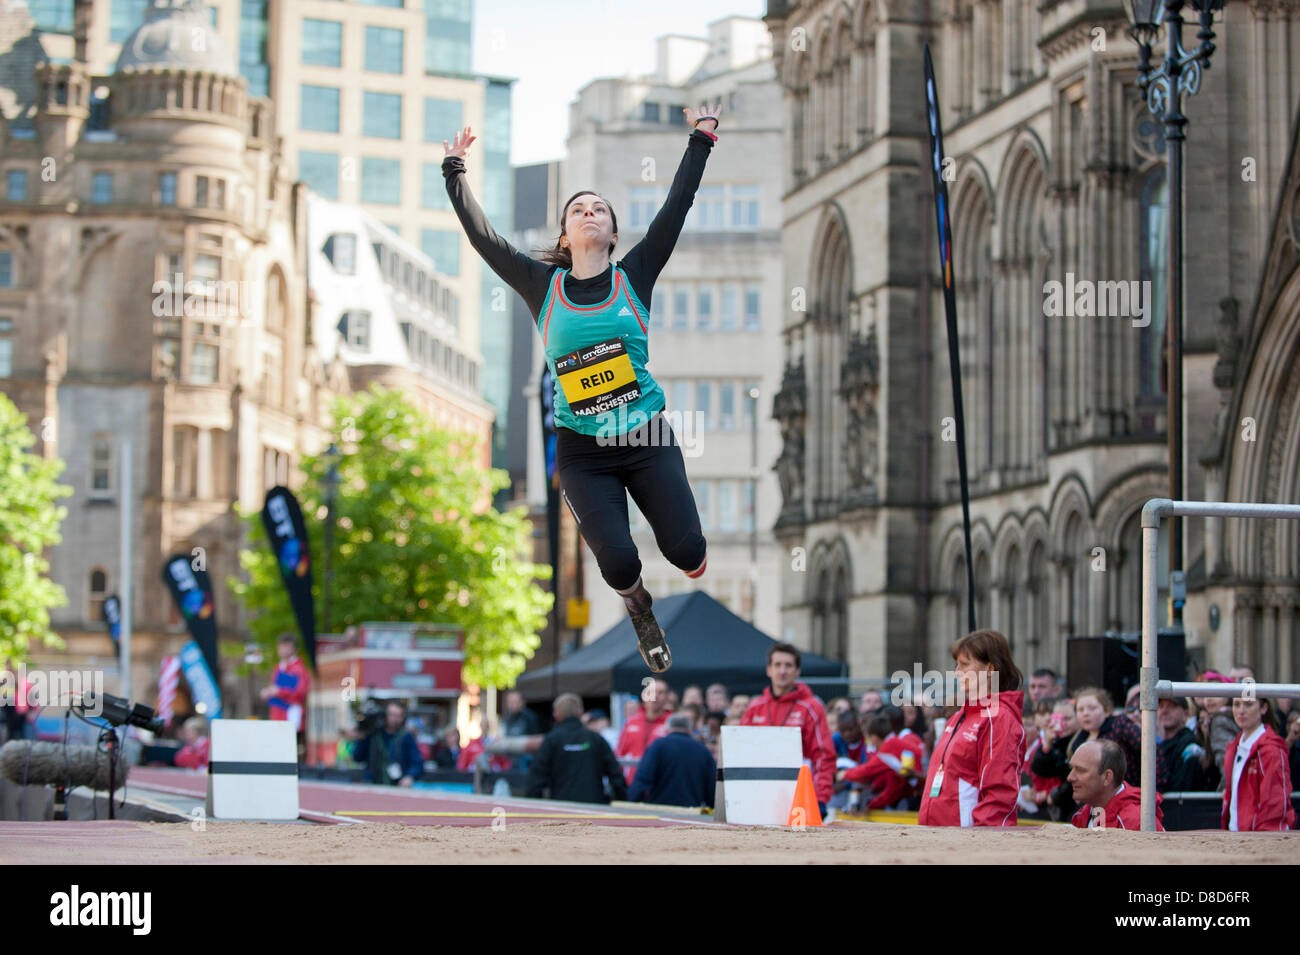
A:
x: 115, y: 184
x: 1057, y: 176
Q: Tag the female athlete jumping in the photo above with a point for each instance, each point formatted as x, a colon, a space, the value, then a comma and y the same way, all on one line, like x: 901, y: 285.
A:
x: 611, y: 437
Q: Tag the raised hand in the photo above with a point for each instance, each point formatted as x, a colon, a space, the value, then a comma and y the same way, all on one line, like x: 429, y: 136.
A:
x: 704, y: 112
x: 461, y: 145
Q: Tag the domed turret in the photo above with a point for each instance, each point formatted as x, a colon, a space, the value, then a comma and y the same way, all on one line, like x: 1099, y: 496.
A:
x: 177, y: 34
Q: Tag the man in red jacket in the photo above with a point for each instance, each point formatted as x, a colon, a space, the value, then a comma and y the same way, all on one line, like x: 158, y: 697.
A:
x: 1105, y: 801
x: 645, y: 726
x: 790, y: 703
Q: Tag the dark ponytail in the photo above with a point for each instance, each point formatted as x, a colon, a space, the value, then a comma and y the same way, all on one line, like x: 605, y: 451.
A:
x: 564, y: 257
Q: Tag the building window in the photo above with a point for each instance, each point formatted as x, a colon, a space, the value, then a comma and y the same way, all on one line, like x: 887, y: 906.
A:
x: 433, y: 192
x: 704, y: 404
x: 657, y: 307
x: 207, y: 268
x: 101, y: 467
x: 341, y: 250
x: 681, y: 394
x: 354, y: 326
x: 447, y: 36
x: 203, y: 363
x: 381, y: 181
x: 443, y: 118
x: 167, y: 189
x: 383, y: 50
x: 443, y: 246
x: 704, y: 309
x: 642, y: 204
x: 253, y: 26
x: 319, y: 110
x: 747, y: 507
x: 727, y: 506
x: 650, y: 112
x: 396, y: 4
x: 201, y: 192
x: 381, y: 115
x: 221, y: 195
x: 51, y: 16
x: 6, y: 348
x: 6, y: 269
x: 681, y: 308
x: 101, y: 189
x: 676, y: 116
x: 1155, y: 261
x: 320, y: 171
x: 704, y: 504
x: 744, y: 207
x: 98, y: 593
x: 727, y: 406
x: 322, y: 43
x: 123, y: 17
x: 16, y: 185
x: 709, y: 209
x: 730, y: 316
x: 753, y: 308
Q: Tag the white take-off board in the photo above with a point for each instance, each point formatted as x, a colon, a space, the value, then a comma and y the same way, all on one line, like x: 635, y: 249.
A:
x: 758, y: 767
x: 253, y: 770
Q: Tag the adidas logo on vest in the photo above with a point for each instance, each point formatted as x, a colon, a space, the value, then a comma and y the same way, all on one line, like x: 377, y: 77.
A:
x: 624, y: 311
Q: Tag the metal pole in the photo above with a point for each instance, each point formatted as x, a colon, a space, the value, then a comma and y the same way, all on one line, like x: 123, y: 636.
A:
x: 1175, y: 123
x: 1152, y: 512
x: 124, y: 569
x: 1166, y: 689
x: 1149, y: 703
x: 753, y: 504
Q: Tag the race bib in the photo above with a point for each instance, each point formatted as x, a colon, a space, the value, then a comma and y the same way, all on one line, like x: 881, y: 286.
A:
x: 597, y: 377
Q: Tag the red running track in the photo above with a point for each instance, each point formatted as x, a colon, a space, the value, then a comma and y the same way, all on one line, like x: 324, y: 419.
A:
x: 345, y: 803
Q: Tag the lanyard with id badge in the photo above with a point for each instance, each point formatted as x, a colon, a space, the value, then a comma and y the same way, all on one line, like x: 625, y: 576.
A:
x: 597, y: 378
x: 937, y: 785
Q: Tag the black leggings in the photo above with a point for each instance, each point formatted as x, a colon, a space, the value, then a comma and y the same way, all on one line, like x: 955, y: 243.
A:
x: 595, y: 480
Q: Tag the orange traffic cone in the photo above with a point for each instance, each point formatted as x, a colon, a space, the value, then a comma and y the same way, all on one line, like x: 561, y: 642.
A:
x: 803, y: 810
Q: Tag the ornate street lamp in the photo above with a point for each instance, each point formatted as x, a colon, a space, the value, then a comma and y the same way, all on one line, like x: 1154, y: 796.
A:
x: 1164, y: 86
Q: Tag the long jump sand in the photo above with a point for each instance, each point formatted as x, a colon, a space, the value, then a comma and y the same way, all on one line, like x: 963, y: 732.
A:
x: 552, y: 841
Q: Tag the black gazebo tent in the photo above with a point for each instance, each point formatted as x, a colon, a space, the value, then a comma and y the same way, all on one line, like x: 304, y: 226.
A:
x: 710, y: 644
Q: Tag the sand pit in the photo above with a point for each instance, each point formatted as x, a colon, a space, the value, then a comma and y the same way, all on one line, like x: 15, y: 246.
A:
x: 553, y: 842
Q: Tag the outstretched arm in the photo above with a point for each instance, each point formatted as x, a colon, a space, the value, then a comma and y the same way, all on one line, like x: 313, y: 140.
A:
x: 649, y: 256
x: 520, y: 271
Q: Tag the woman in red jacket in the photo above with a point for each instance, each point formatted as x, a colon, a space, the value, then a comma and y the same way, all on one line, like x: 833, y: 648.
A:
x: 1256, y: 775
x: 974, y: 775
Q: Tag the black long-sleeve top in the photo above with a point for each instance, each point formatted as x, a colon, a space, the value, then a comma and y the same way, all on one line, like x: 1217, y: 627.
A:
x: 642, y: 264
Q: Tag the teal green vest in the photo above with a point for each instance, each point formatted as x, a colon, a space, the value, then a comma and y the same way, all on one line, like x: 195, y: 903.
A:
x: 597, y: 355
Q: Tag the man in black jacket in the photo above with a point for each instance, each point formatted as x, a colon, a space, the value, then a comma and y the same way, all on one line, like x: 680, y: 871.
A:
x: 573, y: 762
x: 1180, y: 749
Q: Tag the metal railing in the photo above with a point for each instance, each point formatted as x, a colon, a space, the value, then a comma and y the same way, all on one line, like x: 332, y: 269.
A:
x: 1153, y: 689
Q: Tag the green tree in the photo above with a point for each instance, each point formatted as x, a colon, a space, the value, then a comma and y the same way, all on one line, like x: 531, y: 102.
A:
x: 29, y: 523
x: 415, y: 540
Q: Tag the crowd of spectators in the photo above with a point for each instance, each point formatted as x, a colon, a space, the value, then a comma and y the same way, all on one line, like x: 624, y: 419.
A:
x: 1081, y: 757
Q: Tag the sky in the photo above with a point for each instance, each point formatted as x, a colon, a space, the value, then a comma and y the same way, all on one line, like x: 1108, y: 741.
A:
x: 555, y: 48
